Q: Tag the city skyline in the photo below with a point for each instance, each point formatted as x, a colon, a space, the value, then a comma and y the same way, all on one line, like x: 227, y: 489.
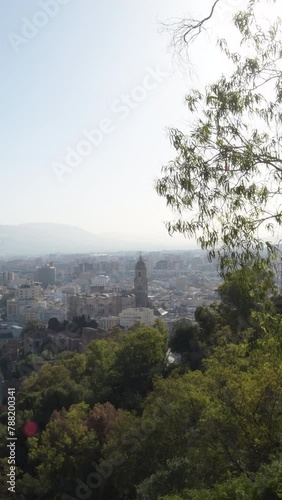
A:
x: 42, y: 239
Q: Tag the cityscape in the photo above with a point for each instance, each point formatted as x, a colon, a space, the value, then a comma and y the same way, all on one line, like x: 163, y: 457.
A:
x: 115, y: 290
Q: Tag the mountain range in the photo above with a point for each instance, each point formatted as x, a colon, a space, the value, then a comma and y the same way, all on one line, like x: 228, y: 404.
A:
x: 44, y: 238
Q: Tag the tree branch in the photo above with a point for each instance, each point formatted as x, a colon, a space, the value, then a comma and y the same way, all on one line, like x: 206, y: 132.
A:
x: 186, y: 30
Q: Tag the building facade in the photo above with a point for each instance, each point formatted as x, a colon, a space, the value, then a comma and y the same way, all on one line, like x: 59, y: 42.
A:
x: 12, y: 310
x: 108, y: 323
x: 29, y: 292
x: 101, y: 280
x: 46, y: 274
x: 131, y: 316
x: 99, y: 305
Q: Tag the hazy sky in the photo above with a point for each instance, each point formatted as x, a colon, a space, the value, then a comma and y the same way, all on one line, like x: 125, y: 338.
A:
x: 81, y: 70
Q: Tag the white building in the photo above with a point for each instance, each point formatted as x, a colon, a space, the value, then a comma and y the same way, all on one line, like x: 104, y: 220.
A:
x: 29, y: 292
x: 29, y: 305
x: 129, y: 317
x: 100, y: 280
x: 52, y: 312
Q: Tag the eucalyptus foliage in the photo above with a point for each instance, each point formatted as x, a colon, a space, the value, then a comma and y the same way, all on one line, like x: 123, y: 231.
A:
x: 225, y: 183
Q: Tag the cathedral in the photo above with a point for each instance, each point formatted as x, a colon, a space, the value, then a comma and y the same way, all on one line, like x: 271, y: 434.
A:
x: 141, y: 284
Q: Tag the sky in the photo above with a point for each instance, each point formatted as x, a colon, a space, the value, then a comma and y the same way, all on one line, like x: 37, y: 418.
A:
x: 89, y: 90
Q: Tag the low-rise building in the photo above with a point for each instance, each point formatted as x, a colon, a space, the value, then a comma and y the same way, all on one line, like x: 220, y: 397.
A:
x: 34, y: 341
x: 108, y: 323
x: 16, y: 331
x: 5, y: 330
x: 129, y: 317
x: 44, y: 315
x: 12, y: 349
x: 100, y: 280
x: 89, y: 334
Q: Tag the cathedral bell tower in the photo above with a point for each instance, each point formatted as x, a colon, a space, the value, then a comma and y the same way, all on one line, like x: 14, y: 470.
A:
x: 141, y: 284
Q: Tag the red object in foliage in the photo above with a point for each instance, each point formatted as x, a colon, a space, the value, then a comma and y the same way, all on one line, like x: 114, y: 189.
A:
x: 30, y: 428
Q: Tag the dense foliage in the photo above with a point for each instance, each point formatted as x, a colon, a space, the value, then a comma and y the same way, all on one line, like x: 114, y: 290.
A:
x: 119, y: 422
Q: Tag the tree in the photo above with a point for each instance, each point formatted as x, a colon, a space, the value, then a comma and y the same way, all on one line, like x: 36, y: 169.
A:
x: 185, y: 341
x: 100, y: 360
x: 76, y: 366
x: 172, y: 477
x: 124, y: 444
x: 26, y: 366
x: 160, y: 325
x: 228, y: 170
x: 186, y: 31
x: 49, y: 389
x: 245, y: 291
x: 92, y: 323
x: 33, y: 326
x: 210, y: 432
x: 265, y: 485
x: 55, y: 325
x: 64, y: 451
x: 140, y: 358
x: 79, y: 321
x: 102, y: 420
x: 210, y: 321
x: 161, y: 434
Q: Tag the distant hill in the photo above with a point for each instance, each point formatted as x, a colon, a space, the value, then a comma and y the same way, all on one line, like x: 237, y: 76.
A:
x: 33, y: 239
x: 41, y: 239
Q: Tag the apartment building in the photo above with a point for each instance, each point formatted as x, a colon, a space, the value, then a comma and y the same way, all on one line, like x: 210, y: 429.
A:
x: 29, y: 292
